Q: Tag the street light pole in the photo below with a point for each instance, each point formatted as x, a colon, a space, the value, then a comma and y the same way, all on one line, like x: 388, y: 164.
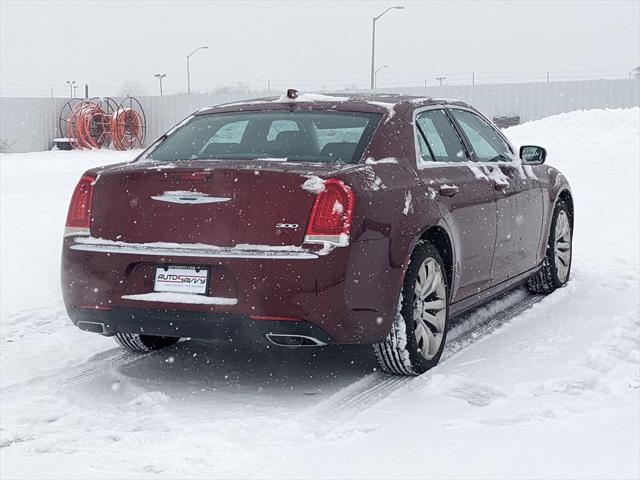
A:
x: 375, y: 75
x: 70, y: 83
x: 373, y: 42
x: 188, y: 72
x: 441, y: 79
x: 160, y: 76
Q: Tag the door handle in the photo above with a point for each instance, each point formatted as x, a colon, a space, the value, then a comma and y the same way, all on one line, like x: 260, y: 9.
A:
x: 448, y: 190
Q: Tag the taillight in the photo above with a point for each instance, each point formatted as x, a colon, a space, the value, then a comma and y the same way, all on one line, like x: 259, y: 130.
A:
x: 78, y: 217
x: 331, y: 215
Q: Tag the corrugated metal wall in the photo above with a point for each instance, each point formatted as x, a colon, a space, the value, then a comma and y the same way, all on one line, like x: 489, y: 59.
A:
x: 30, y: 124
x: 532, y: 101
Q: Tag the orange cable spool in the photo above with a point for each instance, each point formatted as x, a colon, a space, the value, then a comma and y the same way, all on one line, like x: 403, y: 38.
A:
x: 93, y: 124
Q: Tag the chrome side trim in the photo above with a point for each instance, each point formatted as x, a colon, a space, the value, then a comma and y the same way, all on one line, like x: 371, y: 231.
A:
x: 76, y: 232
x: 141, y: 249
x: 341, y: 240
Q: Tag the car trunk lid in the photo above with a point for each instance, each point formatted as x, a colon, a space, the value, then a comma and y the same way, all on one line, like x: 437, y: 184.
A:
x: 215, y: 203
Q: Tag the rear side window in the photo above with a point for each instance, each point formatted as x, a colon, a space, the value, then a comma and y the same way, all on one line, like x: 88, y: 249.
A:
x: 437, y: 138
x: 306, y: 136
x: 487, y: 144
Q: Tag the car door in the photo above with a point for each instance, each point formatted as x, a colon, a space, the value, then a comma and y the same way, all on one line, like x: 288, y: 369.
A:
x: 518, y: 196
x: 465, y: 198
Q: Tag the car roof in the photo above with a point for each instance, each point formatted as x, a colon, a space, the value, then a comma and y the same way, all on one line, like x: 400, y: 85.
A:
x: 367, y: 103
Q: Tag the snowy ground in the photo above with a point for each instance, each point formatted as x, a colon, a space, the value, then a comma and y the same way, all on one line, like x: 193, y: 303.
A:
x: 529, y: 388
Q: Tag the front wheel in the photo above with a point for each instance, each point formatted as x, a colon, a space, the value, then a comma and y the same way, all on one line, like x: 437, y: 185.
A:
x: 556, y: 265
x: 419, y: 330
x: 137, y: 343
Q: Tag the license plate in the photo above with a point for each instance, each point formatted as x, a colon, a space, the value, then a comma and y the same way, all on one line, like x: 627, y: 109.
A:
x: 181, y: 279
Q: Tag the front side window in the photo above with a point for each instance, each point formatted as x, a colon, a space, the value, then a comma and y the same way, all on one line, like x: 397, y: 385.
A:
x: 308, y: 136
x: 487, y: 144
x: 437, y: 138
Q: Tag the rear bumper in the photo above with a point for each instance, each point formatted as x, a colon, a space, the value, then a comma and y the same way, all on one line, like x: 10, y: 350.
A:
x: 188, y: 324
x: 345, y: 295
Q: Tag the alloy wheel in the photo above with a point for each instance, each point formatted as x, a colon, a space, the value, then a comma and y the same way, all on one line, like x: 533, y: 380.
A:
x: 429, y: 308
x: 562, y: 246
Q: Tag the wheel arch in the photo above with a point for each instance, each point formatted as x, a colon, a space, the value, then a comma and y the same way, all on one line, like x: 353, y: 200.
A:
x: 565, y: 196
x: 439, y: 237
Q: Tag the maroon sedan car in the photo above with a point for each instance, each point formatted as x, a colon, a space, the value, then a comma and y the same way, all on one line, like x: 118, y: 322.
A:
x: 309, y: 220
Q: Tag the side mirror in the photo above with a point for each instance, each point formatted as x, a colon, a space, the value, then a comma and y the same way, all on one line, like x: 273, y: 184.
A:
x: 532, y: 155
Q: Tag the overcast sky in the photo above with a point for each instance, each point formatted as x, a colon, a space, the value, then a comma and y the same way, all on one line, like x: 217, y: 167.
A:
x: 308, y: 44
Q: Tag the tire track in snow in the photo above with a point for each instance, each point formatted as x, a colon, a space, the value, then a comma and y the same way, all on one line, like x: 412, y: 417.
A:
x: 344, y: 405
x: 326, y: 417
x: 377, y: 386
x: 93, y: 368
x: 353, y: 398
x: 35, y: 321
x: 476, y: 331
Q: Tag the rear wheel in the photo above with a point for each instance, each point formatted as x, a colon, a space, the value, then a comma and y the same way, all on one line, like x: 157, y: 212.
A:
x: 556, y: 265
x: 419, y: 330
x: 135, y: 342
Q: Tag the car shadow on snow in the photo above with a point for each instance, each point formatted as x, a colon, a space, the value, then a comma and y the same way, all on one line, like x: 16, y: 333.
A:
x: 224, y: 370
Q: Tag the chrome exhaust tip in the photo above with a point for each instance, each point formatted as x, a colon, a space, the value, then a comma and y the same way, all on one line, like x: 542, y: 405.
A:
x: 94, y: 327
x: 293, y: 341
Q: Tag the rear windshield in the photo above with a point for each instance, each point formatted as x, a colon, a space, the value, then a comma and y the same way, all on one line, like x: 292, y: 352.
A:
x: 306, y: 136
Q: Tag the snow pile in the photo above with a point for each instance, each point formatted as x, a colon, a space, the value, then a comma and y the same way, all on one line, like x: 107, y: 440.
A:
x: 407, y: 203
x: 372, y: 161
x: 592, y: 133
x: 242, y: 247
x: 493, y: 172
x: 179, y: 193
x: 314, y: 185
x: 550, y: 393
x: 371, y: 180
x: 188, y: 298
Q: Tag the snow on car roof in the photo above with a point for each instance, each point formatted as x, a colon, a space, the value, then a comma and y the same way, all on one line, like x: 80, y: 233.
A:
x: 380, y: 102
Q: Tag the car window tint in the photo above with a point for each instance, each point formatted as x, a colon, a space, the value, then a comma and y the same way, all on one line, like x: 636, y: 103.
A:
x: 440, y: 137
x: 487, y: 144
x: 299, y: 135
x: 278, y: 126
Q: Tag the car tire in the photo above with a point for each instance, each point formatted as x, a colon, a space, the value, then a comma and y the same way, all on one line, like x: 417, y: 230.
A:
x: 137, y: 343
x: 556, y: 266
x: 416, y: 340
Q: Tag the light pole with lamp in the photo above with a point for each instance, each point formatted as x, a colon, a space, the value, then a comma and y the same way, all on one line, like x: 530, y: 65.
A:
x: 71, y: 83
x: 373, y: 41
x: 375, y: 75
x: 160, y: 76
x: 188, y: 72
